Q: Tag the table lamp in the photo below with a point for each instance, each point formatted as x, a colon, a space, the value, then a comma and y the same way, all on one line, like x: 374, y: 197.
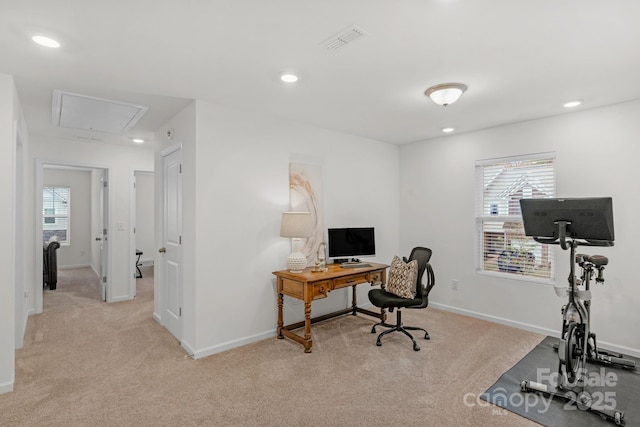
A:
x: 296, y: 225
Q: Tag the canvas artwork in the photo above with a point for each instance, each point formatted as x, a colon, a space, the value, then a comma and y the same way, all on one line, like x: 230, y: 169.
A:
x: 305, y: 195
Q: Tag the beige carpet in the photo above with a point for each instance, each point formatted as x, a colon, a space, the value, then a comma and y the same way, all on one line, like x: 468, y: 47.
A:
x: 88, y: 363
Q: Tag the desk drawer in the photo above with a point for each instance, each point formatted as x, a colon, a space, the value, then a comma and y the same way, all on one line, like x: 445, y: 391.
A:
x: 292, y: 288
x: 341, y: 282
x: 320, y: 289
x: 376, y: 277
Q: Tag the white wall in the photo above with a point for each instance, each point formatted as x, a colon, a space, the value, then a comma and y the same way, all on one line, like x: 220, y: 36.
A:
x: 597, y: 155
x: 120, y: 161
x: 78, y: 252
x: 236, y: 185
x: 9, y: 115
x: 145, y: 211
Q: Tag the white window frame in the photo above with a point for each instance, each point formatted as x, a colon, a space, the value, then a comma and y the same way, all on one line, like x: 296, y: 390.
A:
x: 505, y: 215
x: 67, y: 215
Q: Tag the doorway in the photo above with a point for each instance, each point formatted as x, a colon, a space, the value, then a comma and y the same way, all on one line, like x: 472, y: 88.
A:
x: 143, y: 229
x: 83, y: 229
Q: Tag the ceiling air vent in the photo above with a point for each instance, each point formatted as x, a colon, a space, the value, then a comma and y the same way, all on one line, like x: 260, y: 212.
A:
x: 74, y: 111
x: 344, y: 37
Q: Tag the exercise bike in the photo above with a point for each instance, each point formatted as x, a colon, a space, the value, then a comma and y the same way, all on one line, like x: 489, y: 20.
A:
x: 572, y: 223
x: 578, y: 344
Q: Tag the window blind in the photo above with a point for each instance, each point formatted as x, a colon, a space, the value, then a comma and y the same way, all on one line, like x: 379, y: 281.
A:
x: 501, y: 245
x: 55, y: 213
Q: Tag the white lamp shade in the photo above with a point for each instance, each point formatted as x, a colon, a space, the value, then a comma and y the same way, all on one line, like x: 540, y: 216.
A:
x: 445, y: 94
x: 295, y: 224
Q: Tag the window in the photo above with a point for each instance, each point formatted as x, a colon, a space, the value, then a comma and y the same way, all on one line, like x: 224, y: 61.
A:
x: 502, y: 247
x: 55, y: 213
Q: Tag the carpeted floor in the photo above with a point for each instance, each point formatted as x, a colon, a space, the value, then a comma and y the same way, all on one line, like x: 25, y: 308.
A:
x: 88, y: 363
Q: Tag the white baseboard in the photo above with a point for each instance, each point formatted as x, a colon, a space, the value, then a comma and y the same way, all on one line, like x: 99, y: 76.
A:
x: 66, y: 267
x: 531, y: 328
x: 187, y: 347
x: 8, y: 386
x: 157, y: 317
x: 230, y: 344
x: 121, y: 298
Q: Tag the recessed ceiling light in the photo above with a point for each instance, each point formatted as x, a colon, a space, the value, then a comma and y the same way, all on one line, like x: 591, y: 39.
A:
x: 572, y: 104
x: 46, y: 41
x: 447, y: 130
x: 138, y: 140
x: 289, y: 78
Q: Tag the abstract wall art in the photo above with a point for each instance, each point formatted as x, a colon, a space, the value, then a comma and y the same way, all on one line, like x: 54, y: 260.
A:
x: 305, y: 195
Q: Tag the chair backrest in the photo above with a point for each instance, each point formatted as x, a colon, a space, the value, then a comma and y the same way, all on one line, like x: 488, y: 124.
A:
x: 423, y: 255
x: 50, y: 264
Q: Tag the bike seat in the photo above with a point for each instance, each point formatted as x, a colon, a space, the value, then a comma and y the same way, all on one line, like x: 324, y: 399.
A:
x: 598, y: 260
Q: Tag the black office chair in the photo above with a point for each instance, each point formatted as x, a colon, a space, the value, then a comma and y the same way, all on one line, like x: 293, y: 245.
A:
x: 50, y: 265
x: 383, y: 299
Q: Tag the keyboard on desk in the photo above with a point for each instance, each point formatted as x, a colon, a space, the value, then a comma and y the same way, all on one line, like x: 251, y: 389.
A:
x: 354, y: 265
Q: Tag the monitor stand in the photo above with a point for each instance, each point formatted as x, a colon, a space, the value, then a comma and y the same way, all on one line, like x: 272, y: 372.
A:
x: 346, y: 261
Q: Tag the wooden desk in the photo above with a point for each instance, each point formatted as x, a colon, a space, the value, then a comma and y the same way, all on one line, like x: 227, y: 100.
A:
x: 307, y: 286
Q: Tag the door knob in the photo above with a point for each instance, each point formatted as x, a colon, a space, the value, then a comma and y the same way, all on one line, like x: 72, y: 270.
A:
x: 98, y: 239
x: 162, y: 250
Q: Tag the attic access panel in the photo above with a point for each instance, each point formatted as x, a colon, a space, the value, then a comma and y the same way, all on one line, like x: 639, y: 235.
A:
x: 76, y: 111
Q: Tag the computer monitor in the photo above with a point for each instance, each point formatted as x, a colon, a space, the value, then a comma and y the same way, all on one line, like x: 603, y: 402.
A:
x: 351, y: 242
x: 589, y: 219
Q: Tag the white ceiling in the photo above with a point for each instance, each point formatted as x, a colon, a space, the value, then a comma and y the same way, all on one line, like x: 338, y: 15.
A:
x: 521, y: 59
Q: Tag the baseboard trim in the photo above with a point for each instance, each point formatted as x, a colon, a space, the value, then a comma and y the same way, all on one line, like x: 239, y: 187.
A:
x: 185, y: 345
x: 66, y: 267
x: 120, y: 299
x: 199, y: 354
x: 529, y: 327
x: 8, y: 386
x: 157, y: 317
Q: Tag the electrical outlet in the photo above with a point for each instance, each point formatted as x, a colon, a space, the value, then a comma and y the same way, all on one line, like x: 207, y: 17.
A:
x: 454, y: 285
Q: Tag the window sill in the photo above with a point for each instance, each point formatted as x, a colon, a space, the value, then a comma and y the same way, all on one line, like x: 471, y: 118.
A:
x: 517, y: 277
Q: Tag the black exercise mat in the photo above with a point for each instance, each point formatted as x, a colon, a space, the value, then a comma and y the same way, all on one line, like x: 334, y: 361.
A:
x: 610, y: 387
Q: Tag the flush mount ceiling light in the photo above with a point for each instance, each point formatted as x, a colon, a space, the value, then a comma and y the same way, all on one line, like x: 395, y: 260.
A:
x: 572, y: 104
x: 445, y: 93
x: 447, y: 130
x: 289, y: 78
x: 138, y: 140
x: 46, y: 41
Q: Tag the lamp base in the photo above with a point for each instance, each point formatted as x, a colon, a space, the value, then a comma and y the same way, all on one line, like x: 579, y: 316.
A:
x: 296, y: 262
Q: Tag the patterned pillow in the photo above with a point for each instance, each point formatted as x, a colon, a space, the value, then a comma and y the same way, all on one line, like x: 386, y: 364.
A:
x: 402, y: 278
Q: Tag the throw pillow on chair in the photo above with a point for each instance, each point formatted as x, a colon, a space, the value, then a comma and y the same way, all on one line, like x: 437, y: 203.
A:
x: 402, y: 278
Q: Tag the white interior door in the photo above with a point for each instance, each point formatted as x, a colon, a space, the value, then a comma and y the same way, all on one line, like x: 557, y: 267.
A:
x: 171, y: 259
x: 104, y: 242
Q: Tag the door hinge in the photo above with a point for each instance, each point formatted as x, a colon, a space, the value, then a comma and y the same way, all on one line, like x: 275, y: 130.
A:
x: 179, y: 240
x: 104, y: 184
x: 104, y: 279
x: 134, y: 230
x: 180, y: 311
x: 180, y: 168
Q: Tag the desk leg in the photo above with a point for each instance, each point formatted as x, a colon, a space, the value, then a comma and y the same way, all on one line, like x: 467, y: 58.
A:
x: 354, y: 300
x: 280, y: 304
x: 307, y: 327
